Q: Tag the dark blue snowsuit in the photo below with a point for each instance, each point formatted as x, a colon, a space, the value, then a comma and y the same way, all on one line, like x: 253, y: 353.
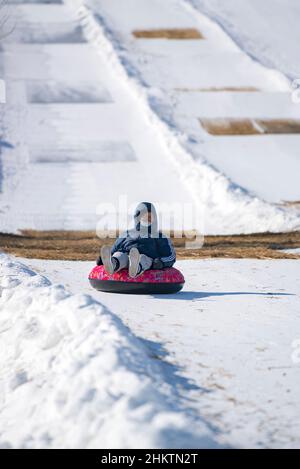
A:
x: 148, y: 240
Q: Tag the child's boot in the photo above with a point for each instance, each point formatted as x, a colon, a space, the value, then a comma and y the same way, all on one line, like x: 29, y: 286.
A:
x: 134, y: 263
x: 111, y: 264
x: 138, y: 263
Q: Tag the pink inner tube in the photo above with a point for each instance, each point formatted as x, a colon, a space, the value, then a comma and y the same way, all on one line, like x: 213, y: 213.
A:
x: 168, y: 280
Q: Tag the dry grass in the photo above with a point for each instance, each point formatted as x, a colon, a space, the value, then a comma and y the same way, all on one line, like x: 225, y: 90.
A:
x: 291, y: 203
x: 85, y: 245
x: 174, y: 33
x: 229, y: 126
x: 228, y: 89
x: 279, y: 126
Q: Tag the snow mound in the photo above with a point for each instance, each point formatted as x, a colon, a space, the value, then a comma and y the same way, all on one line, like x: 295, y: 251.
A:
x: 73, y: 376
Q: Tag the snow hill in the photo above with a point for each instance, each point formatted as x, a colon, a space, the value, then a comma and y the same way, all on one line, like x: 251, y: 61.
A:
x: 94, y: 113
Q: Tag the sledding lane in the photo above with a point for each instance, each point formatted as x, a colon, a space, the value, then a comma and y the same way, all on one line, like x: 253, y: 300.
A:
x: 78, y: 136
x: 231, y: 332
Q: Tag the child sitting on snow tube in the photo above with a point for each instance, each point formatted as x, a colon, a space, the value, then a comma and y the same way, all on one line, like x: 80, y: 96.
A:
x: 140, y: 249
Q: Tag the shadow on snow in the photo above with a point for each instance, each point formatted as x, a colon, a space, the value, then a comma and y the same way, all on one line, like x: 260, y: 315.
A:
x: 197, y: 295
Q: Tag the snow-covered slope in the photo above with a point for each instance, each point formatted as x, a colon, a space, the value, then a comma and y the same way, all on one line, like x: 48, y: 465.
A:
x: 268, y: 30
x: 174, y: 75
x: 93, y: 113
x: 173, y: 72
x: 76, y: 137
x: 73, y: 376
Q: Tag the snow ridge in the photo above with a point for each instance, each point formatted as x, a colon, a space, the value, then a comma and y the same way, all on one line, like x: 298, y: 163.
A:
x: 76, y: 377
x: 215, y: 195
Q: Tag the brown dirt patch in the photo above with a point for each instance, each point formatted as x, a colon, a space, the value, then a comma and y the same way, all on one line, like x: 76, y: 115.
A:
x: 291, y: 203
x: 279, y: 126
x: 85, y: 245
x: 174, y: 33
x: 228, y: 89
x: 228, y: 126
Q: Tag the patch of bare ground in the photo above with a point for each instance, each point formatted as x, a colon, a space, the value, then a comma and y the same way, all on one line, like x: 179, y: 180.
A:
x: 279, y: 126
x: 168, y: 33
x: 227, y: 89
x: 229, y: 126
x: 224, y: 126
x: 85, y: 245
x: 290, y: 203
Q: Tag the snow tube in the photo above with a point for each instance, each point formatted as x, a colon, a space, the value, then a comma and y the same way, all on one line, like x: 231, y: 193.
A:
x: 152, y: 281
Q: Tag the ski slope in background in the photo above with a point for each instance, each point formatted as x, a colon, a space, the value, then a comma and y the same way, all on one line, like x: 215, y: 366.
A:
x: 93, y: 113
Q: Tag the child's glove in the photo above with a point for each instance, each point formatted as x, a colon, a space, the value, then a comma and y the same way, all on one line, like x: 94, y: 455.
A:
x: 157, y: 264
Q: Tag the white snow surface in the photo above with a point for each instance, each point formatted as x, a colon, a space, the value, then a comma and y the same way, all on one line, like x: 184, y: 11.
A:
x: 268, y: 30
x: 233, y: 334
x: 292, y: 251
x: 93, y: 113
x: 73, y: 376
